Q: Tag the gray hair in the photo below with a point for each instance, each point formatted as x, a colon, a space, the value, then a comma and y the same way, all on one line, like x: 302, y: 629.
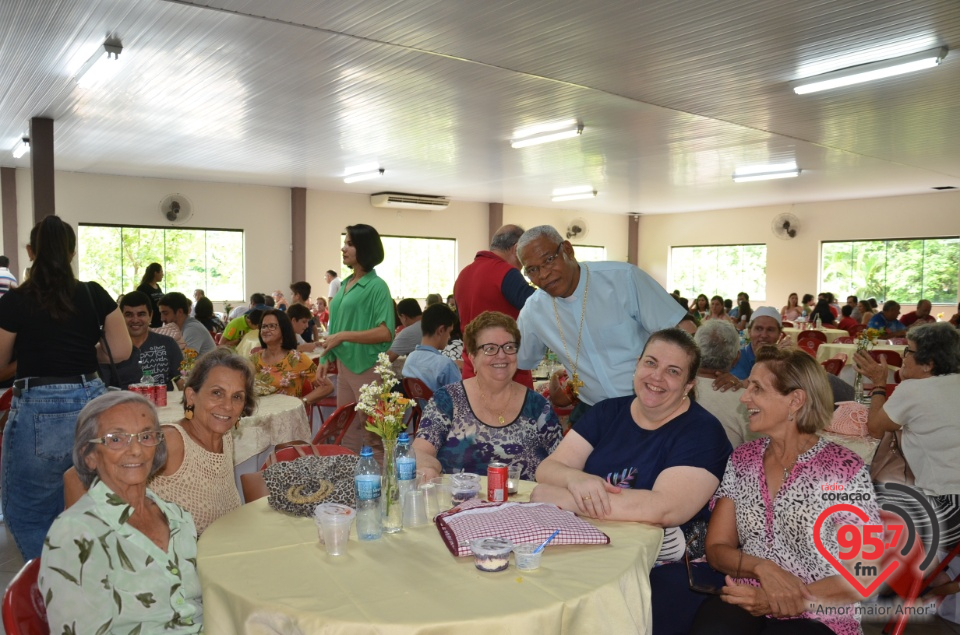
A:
x: 719, y: 344
x: 938, y: 344
x: 540, y: 231
x: 506, y: 237
x: 88, y: 428
x: 226, y: 358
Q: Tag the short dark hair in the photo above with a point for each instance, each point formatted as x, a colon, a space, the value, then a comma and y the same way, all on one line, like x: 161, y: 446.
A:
x: 204, y: 309
x: 332, y: 272
x: 176, y: 301
x: 806, y: 298
x: 846, y: 310
x: 937, y: 344
x: 682, y: 340
x: 269, y: 301
x: 891, y: 304
x: 227, y: 358
x: 409, y: 307
x: 298, y: 312
x: 855, y: 300
x: 435, y: 316
x: 302, y: 289
x: 257, y: 298
x: 4, y: 261
x: 136, y: 298
x: 366, y: 240
x: 288, y: 339
x: 253, y: 317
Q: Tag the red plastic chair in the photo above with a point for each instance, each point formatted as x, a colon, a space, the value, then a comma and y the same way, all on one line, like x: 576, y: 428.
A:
x: 899, y: 341
x: 833, y: 366
x: 23, y: 610
x: 856, y: 330
x: 417, y: 389
x: 294, y: 452
x: 812, y: 335
x: 787, y: 325
x: 893, y: 357
x: 336, y: 425
x: 842, y: 357
x: 844, y: 339
x: 810, y: 345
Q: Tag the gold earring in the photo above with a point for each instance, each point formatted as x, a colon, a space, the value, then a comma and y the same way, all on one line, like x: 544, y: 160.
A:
x: 188, y: 412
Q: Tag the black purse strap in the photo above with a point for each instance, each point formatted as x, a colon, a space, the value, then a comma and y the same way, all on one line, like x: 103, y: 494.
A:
x: 115, y: 375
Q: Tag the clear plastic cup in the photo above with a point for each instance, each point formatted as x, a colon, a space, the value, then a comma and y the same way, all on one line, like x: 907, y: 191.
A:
x: 513, y: 478
x: 526, y: 559
x: 414, y: 508
x: 491, y: 554
x: 444, y: 488
x: 429, y: 490
x: 333, y: 526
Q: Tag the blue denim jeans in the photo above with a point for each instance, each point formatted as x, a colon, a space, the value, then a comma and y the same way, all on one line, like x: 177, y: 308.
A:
x: 37, y: 450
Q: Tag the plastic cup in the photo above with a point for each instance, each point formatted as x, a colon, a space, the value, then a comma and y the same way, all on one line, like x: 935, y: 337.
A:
x: 526, y: 559
x: 414, y: 508
x: 333, y: 526
x: 463, y: 487
x: 429, y: 490
x: 491, y: 554
x: 444, y: 494
x: 513, y: 478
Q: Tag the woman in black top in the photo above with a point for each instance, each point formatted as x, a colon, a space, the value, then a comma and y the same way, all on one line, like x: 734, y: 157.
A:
x: 50, y: 312
x: 150, y: 284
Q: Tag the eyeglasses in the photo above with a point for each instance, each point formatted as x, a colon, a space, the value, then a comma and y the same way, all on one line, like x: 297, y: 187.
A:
x: 269, y: 327
x: 510, y: 348
x: 120, y: 440
x: 532, y: 272
x: 908, y: 351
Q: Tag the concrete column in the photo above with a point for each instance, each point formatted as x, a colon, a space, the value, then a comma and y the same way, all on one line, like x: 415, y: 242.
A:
x: 41, y: 167
x: 298, y: 233
x: 495, y: 219
x: 633, y: 239
x: 8, y: 186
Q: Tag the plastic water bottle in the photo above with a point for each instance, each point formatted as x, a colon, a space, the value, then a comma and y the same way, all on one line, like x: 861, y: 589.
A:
x: 367, y: 482
x: 406, y: 464
x: 147, y: 377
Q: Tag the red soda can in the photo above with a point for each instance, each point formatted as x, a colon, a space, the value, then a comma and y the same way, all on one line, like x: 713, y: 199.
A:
x: 159, y: 395
x: 141, y: 389
x: 497, y: 474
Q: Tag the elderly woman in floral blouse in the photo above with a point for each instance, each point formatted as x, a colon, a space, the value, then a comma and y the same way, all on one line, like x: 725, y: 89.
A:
x: 121, y: 560
x: 281, y: 368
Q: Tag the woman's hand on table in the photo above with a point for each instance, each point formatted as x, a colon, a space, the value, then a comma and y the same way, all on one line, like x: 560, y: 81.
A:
x: 592, y: 494
x: 786, y: 593
x: 726, y: 381
x: 869, y: 368
x: 429, y: 473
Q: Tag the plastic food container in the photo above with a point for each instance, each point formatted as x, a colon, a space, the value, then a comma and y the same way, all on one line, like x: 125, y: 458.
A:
x: 526, y: 559
x: 491, y: 554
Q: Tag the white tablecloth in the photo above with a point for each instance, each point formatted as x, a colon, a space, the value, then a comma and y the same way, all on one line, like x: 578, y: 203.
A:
x: 832, y: 334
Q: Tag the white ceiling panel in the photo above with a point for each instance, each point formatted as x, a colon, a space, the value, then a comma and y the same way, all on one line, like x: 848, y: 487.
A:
x: 673, y: 96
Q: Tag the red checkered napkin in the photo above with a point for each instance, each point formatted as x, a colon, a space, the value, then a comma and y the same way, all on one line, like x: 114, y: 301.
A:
x: 518, y: 522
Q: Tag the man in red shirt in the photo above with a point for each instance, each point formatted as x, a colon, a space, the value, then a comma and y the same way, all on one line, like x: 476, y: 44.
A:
x: 493, y: 282
x: 920, y: 316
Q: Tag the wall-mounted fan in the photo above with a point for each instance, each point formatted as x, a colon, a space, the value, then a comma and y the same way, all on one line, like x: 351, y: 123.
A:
x: 785, y: 226
x: 577, y: 229
x: 176, y: 209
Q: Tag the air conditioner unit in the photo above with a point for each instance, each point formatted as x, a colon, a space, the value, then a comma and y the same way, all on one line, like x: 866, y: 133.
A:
x: 398, y: 200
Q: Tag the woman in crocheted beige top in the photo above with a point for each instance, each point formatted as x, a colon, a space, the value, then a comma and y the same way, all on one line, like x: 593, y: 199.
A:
x: 199, y: 474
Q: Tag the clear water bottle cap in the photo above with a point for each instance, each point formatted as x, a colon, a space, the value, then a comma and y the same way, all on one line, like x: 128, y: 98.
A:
x: 403, y: 438
x: 366, y: 451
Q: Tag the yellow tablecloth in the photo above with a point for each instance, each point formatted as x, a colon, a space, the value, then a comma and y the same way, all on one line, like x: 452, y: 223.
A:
x: 265, y: 572
x: 277, y: 419
x: 832, y: 334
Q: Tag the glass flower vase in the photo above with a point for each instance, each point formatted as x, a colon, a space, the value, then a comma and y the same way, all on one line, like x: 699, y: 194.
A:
x: 858, y: 388
x: 390, y: 495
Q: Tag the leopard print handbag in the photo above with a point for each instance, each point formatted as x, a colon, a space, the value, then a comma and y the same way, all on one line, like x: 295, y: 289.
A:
x: 297, y: 487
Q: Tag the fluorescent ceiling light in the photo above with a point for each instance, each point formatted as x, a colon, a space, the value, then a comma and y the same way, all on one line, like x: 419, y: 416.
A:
x: 766, y: 172
x: 870, y: 72
x: 22, y: 147
x: 544, y: 133
x: 102, y: 66
x: 364, y: 175
x: 573, y: 193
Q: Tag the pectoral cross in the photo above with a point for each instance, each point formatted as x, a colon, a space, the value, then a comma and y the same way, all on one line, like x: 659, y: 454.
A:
x: 575, y: 385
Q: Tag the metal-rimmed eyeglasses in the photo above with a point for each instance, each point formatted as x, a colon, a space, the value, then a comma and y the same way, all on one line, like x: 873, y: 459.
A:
x: 120, y: 440
x: 532, y: 272
x: 510, y: 348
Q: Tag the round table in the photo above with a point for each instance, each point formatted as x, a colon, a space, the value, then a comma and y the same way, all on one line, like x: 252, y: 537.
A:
x: 832, y: 334
x: 277, y: 419
x: 265, y: 572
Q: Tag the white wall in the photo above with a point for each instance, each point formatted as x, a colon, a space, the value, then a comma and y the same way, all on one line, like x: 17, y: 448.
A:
x: 604, y: 230
x: 793, y: 265
x: 263, y: 212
